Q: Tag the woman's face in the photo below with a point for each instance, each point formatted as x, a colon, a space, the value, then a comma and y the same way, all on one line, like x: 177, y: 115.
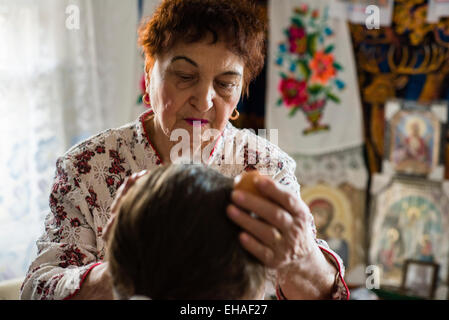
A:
x: 195, y: 81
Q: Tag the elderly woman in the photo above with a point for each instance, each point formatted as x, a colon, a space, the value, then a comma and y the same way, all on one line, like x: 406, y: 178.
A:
x: 200, y: 58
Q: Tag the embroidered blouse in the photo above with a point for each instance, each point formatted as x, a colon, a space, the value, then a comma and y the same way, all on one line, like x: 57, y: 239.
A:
x: 85, y: 183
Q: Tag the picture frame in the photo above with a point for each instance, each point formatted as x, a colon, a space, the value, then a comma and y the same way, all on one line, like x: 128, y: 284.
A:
x: 338, y: 214
x: 420, y: 278
x: 409, y: 219
x: 415, y: 136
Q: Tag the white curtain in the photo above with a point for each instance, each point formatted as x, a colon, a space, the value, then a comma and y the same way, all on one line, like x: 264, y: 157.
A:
x: 59, y: 84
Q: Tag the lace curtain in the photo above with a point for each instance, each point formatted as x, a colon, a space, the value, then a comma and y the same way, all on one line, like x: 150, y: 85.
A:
x: 58, y: 86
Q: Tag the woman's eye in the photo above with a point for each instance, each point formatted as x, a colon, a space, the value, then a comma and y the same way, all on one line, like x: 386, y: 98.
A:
x: 185, y: 77
x: 226, y: 85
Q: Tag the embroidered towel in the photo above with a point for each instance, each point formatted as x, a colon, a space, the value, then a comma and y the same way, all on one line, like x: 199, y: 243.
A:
x: 313, y: 95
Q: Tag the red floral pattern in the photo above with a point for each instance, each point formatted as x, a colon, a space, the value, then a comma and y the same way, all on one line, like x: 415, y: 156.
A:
x: 72, y: 256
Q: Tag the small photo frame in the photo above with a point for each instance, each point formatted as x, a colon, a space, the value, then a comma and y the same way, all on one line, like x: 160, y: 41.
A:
x: 420, y: 278
x: 415, y: 138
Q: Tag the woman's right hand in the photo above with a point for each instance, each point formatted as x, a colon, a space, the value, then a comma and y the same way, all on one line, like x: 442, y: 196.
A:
x: 98, y: 283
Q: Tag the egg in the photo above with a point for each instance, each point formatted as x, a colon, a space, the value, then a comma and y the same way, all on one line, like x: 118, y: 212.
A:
x: 245, y: 182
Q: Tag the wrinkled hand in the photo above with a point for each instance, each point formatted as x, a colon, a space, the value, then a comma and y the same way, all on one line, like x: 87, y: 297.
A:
x: 282, y: 231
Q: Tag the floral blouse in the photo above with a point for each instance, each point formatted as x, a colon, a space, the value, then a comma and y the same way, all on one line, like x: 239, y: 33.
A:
x: 85, y: 183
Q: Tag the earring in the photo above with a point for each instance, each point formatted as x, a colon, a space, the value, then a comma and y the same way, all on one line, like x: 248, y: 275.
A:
x: 146, y: 102
x: 235, y: 117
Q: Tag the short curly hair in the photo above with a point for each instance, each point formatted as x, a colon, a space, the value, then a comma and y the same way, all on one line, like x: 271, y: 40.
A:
x: 241, y: 24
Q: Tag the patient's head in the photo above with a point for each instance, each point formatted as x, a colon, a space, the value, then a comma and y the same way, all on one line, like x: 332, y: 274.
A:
x: 172, y: 239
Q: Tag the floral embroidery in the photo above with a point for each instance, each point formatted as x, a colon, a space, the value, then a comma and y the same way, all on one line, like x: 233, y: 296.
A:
x: 115, y: 180
x: 322, y: 66
x: 308, y: 69
x: 293, y: 92
x: 92, y: 200
x: 60, y: 215
x: 100, y: 149
x: 75, y: 222
x: 82, y: 163
x: 71, y: 256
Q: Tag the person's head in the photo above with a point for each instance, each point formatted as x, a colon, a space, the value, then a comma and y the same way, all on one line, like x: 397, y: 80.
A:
x: 172, y: 239
x: 338, y: 229
x: 323, y: 213
x: 415, y: 129
x: 200, y: 56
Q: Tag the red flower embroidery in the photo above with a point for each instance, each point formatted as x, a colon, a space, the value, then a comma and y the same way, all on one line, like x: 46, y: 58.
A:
x: 297, y: 40
x: 41, y: 289
x: 294, y: 92
x: 116, y: 166
x: 85, y: 155
x: 60, y: 215
x: 110, y: 181
x: 100, y: 149
x: 75, y: 222
x: 83, y: 167
x: 92, y: 199
x: 64, y: 189
x: 72, y: 256
x: 83, y: 161
x: 53, y: 200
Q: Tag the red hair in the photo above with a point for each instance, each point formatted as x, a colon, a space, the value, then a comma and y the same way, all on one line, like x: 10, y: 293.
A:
x: 239, y: 23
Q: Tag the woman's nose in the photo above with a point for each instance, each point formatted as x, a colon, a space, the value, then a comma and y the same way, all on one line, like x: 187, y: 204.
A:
x: 203, y: 98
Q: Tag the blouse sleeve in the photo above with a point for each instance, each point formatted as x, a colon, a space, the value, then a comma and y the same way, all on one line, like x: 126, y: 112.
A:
x: 67, y: 248
x: 286, y: 176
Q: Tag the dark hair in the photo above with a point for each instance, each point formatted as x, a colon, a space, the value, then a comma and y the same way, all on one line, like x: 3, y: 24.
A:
x: 173, y: 240
x: 239, y: 23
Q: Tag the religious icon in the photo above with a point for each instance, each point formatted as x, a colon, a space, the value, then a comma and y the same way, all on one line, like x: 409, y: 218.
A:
x: 410, y: 220
x: 415, y: 137
x: 323, y: 212
x: 339, y: 219
x: 414, y: 141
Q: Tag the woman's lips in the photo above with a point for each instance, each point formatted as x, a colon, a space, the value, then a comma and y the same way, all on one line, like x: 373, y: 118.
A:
x: 196, y: 122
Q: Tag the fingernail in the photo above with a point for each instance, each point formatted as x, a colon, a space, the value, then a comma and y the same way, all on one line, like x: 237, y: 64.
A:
x: 244, y: 237
x: 237, y: 195
x: 233, y: 211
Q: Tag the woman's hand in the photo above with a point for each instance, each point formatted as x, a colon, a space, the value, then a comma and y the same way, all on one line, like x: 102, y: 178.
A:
x: 284, y: 231
x: 282, y: 237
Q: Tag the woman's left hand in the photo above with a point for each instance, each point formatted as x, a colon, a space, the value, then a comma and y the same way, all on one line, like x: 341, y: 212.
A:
x: 283, y: 233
